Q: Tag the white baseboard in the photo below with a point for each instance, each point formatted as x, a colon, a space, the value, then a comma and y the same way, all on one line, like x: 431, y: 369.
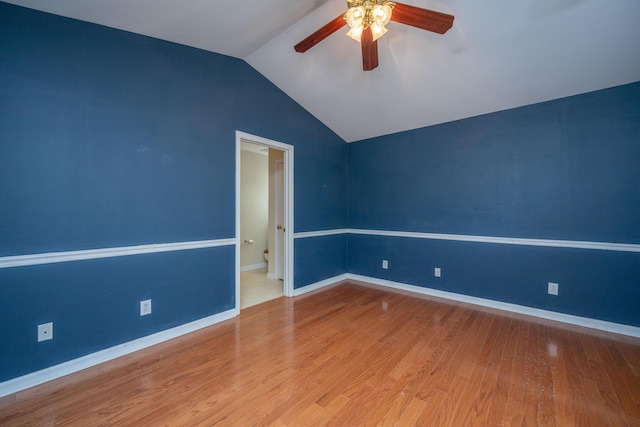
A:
x: 601, y: 325
x: 514, y: 308
x: 320, y: 284
x: 254, y: 267
x: 75, y: 365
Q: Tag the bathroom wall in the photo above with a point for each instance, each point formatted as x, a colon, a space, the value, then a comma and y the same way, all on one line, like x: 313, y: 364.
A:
x: 254, y: 213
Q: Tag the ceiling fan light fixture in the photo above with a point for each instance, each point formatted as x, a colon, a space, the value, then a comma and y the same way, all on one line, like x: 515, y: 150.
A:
x: 368, y: 13
x: 368, y: 18
x: 382, y: 13
x: 355, y: 16
x: 355, y: 19
x: 356, y: 33
x: 377, y: 31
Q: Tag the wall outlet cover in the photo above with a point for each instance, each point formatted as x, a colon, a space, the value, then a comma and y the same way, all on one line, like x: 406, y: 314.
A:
x: 145, y: 307
x: 45, y: 332
x: 385, y: 264
x: 437, y: 272
x: 552, y: 288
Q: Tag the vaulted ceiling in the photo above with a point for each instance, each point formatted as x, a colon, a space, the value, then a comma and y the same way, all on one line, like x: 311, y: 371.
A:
x: 499, y: 54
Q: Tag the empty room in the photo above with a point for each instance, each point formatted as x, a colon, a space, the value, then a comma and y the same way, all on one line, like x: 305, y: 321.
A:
x: 437, y: 204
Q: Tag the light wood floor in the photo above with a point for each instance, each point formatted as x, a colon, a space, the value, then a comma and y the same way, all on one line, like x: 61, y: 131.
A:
x: 354, y: 355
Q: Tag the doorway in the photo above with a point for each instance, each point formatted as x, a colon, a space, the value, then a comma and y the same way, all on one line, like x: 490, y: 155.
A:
x: 264, y: 220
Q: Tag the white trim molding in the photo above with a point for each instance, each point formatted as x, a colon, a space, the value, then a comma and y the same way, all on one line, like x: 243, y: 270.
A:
x: 575, y: 244
x: 587, y: 322
x: 253, y: 267
x: 504, y: 306
x: 320, y: 233
x: 321, y: 284
x: 68, y: 256
x: 93, y: 359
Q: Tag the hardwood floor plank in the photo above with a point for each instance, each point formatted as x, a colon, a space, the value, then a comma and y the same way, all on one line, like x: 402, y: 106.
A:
x: 330, y: 410
x: 562, y: 400
x: 410, y: 415
x: 517, y: 381
x: 357, y: 410
x: 433, y: 407
x: 575, y: 368
x: 458, y: 362
x: 545, y: 387
x: 488, y: 365
x: 631, y: 356
x: 475, y: 341
x: 530, y: 407
x: 355, y: 354
x: 627, y: 385
x: 470, y: 394
x: 497, y: 406
x: 442, y: 355
x: 407, y: 386
x: 451, y: 406
x: 394, y: 411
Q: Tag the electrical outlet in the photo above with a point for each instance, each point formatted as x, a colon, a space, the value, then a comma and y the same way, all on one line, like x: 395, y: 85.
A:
x: 552, y: 288
x: 145, y: 307
x: 385, y: 264
x: 45, y: 332
x: 437, y: 272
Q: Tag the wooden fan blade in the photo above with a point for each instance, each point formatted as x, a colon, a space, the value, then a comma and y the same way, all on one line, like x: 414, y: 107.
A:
x: 425, y: 19
x: 369, y: 50
x: 320, y: 35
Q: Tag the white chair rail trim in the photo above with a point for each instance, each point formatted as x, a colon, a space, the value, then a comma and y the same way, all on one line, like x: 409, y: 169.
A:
x: 67, y: 256
x: 575, y: 244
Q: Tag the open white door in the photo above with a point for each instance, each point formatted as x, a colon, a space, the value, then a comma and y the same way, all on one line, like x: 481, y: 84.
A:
x: 284, y: 195
x: 281, y: 228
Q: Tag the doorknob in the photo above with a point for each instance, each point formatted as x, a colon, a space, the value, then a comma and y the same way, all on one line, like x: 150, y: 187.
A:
x: 280, y: 228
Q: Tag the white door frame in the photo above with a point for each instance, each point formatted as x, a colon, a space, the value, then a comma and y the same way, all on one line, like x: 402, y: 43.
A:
x: 278, y: 255
x: 288, y: 208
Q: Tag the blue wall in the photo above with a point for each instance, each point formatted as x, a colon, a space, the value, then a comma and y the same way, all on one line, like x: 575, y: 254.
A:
x: 95, y: 304
x: 110, y: 139
x: 320, y: 258
x: 561, y: 170
x: 596, y: 284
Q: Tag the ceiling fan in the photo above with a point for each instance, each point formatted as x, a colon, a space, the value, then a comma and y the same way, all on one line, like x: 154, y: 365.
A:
x: 367, y: 19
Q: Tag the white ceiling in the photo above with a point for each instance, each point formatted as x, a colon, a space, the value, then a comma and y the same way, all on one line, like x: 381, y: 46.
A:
x: 499, y: 54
